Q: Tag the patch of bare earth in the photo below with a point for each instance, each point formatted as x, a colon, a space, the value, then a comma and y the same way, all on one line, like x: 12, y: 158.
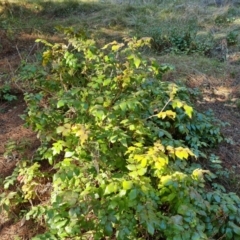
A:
x: 12, y: 129
x: 221, y: 96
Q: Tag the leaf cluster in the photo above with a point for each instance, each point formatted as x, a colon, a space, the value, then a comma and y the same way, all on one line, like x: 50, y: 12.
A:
x: 5, y: 93
x: 124, y: 147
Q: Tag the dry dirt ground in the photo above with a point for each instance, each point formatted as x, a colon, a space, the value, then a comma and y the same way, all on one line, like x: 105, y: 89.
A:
x: 215, y: 96
x: 12, y: 129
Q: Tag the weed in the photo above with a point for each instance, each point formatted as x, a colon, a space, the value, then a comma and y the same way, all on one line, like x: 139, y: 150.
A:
x: 5, y: 93
x: 177, y: 42
x: 232, y: 38
x: 238, y: 103
x: 224, y: 19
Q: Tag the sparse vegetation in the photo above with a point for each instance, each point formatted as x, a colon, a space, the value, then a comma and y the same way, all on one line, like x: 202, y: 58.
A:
x: 115, y: 94
x: 5, y: 93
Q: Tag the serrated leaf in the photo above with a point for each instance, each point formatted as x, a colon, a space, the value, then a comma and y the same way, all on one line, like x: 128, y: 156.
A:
x: 150, y: 228
x: 112, y: 187
x: 137, y: 62
x: 117, y: 47
x: 176, y: 103
x: 60, y: 129
x: 122, y: 193
x: 108, y: 228
x: 217, y: 198
x: 127, y: 185
x: 82, y: 132
x: 123, y: 106
x: 177, y: 219
x: 58, y: 147
x: 44, y: 41
x: 61, y: 224
x: 106, y: 82
x: 144, y: 162
x: 188, y: 110
x: 181, y: 153
x: 196, y: 236
x: 173, y: 90
x: 132, y: 167
x: 229, y: 233
x: 235, y: 228
x: 142, y: 171
x: 133, y: 194
x: 68, y: 154
x: 168, y: 113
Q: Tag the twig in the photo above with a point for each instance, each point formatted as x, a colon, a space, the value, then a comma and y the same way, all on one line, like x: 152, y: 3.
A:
x: 35, y: 44
x: 155, y: 115
x: 19, y: 54
x: 11, y: 69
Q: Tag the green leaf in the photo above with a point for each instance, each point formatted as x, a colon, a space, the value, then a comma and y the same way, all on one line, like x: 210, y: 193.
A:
x: 133, y: 167
x: 60, y: 129
x: 107, y: 82
x: 122, y: 193
x: 177, y: 219
x: 150, y: 228
x: 235, y: 228
x: 133, y: 194
x: 123, y: 106
x: 108, y: 228
x: 196, y: 236
x: 229, y: 233
x: 61, y: 224
x: 217, y: 198
x: 112, y: 187
x: 137, y: 62
x: 58, y: 147
x: 60, y: 103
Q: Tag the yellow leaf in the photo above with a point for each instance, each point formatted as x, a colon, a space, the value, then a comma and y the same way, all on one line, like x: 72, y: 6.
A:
x: 168, y: 113
x: 60, y: 129
x: 144, y: 162
x: 173, y: 90
x: 165, y: 180
x: 188, y: 110
x: 117, y: 47
x: 177, y: 103
x: 161, y: 161
x: 81, y: 132
x: 181, y: 153
x: 127, y: 185
x: 67, y: 125
x: 162, y: 115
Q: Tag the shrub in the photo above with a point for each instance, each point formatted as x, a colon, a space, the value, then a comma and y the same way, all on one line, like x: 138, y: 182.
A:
x: 232, y: 38
x: 123, y: 147
x: 178, y: 42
